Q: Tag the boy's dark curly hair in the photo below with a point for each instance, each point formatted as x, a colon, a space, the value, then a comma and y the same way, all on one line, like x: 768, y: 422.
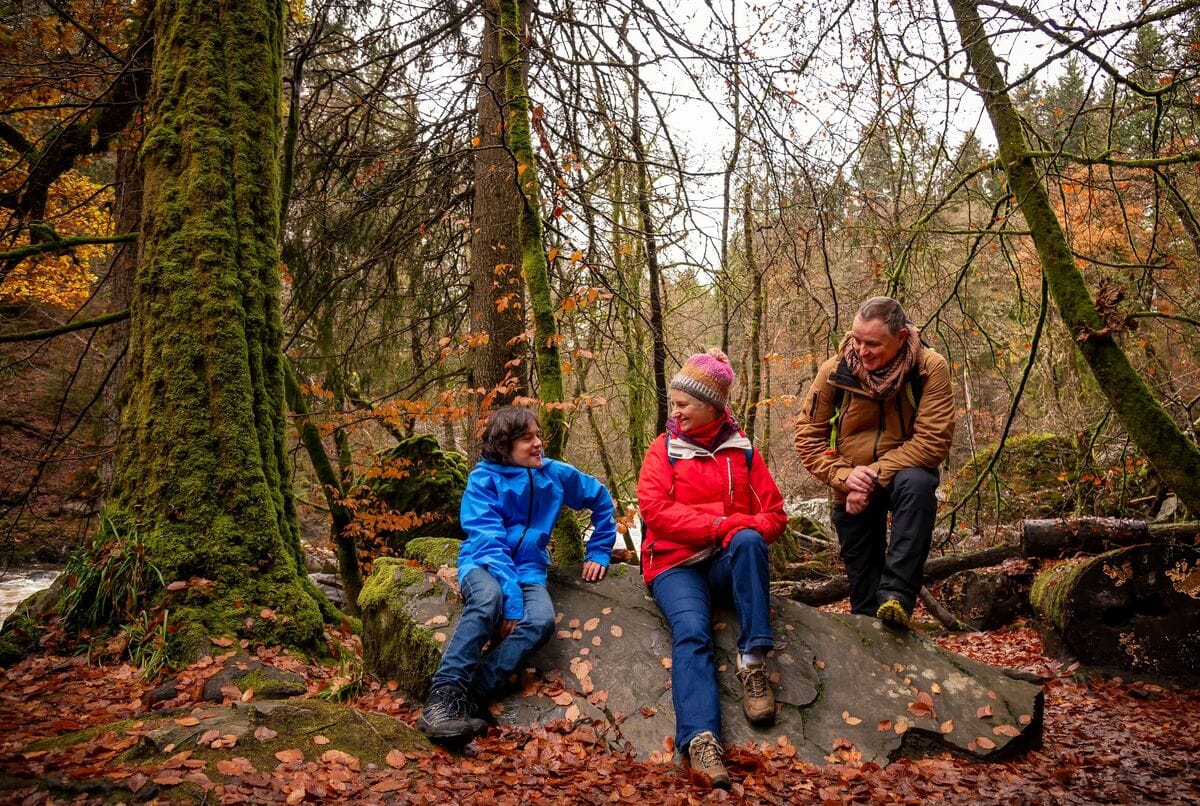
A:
x: 503, y: 428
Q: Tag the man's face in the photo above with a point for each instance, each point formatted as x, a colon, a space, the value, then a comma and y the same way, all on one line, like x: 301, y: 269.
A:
x: 875, y: 346
x: 527, y: 449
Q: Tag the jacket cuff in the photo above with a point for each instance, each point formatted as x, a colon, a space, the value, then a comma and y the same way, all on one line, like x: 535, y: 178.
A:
x: 838, y: 480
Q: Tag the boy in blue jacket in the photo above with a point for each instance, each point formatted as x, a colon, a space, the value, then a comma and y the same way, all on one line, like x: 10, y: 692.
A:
x: 509, y: 507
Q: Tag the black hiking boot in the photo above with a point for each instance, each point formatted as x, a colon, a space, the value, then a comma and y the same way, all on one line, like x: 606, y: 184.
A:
x: 445, y: 716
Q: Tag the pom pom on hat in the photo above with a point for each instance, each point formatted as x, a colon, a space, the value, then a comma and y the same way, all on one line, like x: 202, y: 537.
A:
x: 706, y: 376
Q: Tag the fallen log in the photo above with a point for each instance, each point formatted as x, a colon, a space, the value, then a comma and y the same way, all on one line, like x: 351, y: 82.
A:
x: 987, y: 599
x: 1136, y: 607
x: 1060, y: 536
x: 938, y: 568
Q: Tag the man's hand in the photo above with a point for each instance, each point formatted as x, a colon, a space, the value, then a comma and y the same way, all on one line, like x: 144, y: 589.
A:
x: 856, y: 502
x: 507, y: 626
x: 594, y: 572
x: 861, y: 480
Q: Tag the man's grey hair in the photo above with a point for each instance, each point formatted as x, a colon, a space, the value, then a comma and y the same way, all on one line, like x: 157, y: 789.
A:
x: 884, y: 308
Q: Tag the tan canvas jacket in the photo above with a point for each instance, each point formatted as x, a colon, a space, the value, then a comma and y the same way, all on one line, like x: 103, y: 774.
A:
x: 888, y: 435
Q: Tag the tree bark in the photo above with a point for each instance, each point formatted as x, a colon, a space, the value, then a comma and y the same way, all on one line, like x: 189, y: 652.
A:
x: 1174, y: 456
x: 1136, y: 607
x: 497, y: 300
x: 202, y: 469
x: 534, y: 263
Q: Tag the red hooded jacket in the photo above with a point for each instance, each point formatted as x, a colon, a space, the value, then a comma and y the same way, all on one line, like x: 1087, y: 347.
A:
x: 690, y: 506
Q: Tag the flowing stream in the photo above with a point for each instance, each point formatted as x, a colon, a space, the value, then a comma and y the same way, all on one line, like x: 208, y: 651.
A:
x: 16, y: 585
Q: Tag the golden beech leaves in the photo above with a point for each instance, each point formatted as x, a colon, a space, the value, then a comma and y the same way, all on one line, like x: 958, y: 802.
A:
x: 77, y: 207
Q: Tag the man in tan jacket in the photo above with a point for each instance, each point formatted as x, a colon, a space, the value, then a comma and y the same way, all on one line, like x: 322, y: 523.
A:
x: 875, y: 426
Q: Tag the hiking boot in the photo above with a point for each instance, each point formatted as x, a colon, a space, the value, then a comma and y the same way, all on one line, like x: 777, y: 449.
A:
x: 758, y: 701
x: 705, y: 756
x: 892, y: 613
x: 445, y: 716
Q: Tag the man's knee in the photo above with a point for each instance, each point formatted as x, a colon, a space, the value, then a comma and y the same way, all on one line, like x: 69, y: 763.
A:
x: 916, y: 484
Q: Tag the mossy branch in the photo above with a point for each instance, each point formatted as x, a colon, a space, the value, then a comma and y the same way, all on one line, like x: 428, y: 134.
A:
x: 70, y: 327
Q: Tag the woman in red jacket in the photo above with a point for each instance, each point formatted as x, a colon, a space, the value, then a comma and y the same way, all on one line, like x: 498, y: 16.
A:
x: 710, y: 509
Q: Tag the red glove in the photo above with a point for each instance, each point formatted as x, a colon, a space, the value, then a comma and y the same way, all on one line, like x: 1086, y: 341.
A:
x: 734, y: 524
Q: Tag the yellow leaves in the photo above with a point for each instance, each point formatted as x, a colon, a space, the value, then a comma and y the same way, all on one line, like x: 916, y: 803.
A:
x: 76, y: 207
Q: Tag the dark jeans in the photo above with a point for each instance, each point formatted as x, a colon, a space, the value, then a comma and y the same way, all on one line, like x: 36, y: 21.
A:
x: 878, y: 571
x: 464, y: 664
x: 686, y: 594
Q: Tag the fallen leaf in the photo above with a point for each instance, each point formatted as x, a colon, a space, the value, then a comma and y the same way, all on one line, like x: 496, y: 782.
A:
x: 596, y: 640
x: 573, y: 714
x: 820, y: 664
x: 606, y: 611
x: 440, y: 637
x: 320, y: 740
x: 884, y: 725
x: 591, y: 624
x: 563, y: 634
x: 395, y: 758
x: 615, y: 630
x: 177, y: 585
x: 1006, y: 730
x: 167, y: 779
x: 985, y: 742
x: 187, y: 721
x: 437, y: 621
x: 564, y: 698
x: 1024, y: 719
x: 648, y: 711
x: 901, y: 726
x: 296, y: 796
x: 267, y: 614
x: 290, y: 756
x: 947, y: 726
x: 666, y: 662
x: 208, y: 737
x: 850, y: 720
x: 983, y: 711
x: 264, y: 734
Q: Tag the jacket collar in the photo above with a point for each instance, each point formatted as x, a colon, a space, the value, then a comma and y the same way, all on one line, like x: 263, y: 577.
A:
x: 682, y: 449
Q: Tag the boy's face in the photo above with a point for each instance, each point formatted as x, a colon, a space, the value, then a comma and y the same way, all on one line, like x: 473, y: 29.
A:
x: 527, y: 449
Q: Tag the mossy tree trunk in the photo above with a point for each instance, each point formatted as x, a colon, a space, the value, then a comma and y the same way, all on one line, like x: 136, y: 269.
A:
x: 1174, y: 456
x: 202, y: 470
x: 534, y: 264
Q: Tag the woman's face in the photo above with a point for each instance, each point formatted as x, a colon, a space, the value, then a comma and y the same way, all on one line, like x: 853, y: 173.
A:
x: 690, y: 412
x: 527, y: 449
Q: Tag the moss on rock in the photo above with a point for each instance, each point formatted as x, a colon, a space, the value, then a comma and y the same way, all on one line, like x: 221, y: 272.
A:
x: 404, y: 624
x: 434, y: 551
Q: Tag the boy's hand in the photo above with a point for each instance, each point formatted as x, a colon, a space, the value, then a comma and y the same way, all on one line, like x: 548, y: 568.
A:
x: 506, y: 627
x: 594, y: 572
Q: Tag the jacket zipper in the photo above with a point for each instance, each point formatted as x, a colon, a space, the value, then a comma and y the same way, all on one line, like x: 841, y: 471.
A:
x: 879, y: 432
x: 528, y: 518
x: 729, y: 476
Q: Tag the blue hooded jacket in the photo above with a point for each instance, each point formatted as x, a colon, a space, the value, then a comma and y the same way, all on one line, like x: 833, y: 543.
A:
x: 508, y: 513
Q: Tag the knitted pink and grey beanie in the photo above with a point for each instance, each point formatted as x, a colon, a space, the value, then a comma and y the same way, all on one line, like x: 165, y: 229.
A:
x: 707, y: 377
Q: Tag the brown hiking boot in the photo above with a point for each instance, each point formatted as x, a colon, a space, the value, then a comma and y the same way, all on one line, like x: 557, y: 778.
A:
x: 706, y: 757
x: 758, y: 701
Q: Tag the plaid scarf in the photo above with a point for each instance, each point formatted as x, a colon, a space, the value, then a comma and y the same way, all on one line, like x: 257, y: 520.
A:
x: 886, y: 381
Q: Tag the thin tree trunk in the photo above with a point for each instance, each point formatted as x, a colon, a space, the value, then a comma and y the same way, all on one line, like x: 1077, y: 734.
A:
x: 754, y: 391
x: 497, y: 301
x: 1174, y: 456
x: 649, y: 235
x: 534, y: 264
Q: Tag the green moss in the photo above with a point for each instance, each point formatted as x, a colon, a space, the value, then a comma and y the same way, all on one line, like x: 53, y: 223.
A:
x: 1050, y: 589
x: 394, y: 646
x: 81, y: 736
x: 434, y: 551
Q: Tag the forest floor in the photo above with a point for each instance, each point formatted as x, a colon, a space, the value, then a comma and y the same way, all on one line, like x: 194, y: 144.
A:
x: 1107, y: 740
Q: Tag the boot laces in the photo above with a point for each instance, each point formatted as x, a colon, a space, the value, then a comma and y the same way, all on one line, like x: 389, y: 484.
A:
x: 449, y: 704
x: 705, y: 751
x: 755, y: 681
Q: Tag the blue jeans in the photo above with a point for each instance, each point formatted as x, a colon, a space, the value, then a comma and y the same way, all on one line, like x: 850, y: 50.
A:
x: 464, y: 664
x: 686, y: 594
x: 879, y: 570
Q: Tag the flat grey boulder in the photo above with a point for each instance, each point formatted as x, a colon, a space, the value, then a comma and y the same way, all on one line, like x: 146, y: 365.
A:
x: 844, y: 684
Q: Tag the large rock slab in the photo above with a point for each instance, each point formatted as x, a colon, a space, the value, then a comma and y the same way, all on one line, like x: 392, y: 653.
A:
x: 840, y: 680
